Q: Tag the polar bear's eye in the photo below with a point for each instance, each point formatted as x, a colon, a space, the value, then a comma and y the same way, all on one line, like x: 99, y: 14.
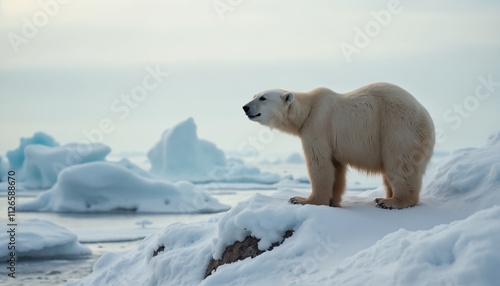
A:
x: 262, y: 98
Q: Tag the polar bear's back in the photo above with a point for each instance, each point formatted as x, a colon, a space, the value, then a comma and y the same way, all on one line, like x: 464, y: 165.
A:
x: 375, y: 120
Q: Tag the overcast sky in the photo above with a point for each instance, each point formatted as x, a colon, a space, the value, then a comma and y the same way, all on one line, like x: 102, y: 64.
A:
x: 67, y: 68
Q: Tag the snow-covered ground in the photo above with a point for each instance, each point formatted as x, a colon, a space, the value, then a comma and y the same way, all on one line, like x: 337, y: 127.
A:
x: 36, y: 238
x: 451, y: 238
x: 464, y: 252
x: 108, y: 186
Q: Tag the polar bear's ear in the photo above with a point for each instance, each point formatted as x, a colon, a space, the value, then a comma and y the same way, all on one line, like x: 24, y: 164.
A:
x: 287, y: 97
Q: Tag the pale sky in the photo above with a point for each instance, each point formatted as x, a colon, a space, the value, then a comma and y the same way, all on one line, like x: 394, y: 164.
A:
x: 64, y: 67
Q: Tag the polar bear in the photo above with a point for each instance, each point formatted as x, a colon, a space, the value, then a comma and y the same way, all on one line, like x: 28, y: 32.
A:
x: 379, y: 128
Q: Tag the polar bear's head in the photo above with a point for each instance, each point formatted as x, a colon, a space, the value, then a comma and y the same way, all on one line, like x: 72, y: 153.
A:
x: 269, y: 107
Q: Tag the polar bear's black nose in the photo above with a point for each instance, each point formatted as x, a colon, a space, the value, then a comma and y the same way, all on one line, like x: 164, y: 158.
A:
x: 246, y: 108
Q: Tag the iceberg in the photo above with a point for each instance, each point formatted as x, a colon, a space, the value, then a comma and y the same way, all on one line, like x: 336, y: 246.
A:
x: 16, y: 157
x: 112, y: 187
x: 42, y: 163
x: 41, y: 239
x: 181, y: 155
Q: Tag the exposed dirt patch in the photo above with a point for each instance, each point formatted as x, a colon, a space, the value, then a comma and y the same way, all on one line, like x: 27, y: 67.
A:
x: 241, y: 250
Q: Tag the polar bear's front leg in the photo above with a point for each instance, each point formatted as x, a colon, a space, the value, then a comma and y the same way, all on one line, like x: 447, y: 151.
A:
x: 321, y: 173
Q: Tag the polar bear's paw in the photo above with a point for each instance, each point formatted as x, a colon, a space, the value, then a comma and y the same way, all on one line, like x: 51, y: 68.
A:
x: 393, y: 203
x: 381, y: 204
x: 298, y: 201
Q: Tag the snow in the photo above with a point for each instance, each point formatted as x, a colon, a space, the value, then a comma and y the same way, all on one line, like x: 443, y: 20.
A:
x: 181, y: 155
x: 451, y: 238
x: 16, y: 157
x: 42, y: 164
x: 465, y: 177
x: 36, y: 238
x: 463, y: 252
x: 108, y: 186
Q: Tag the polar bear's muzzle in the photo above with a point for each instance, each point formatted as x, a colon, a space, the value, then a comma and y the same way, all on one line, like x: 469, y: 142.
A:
x: 246, y: 108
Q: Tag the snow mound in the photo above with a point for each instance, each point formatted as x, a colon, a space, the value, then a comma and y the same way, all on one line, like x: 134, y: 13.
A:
x: 257, y: 218
x: 36, y: 238
x: 107, y: 187
x: 16, y: 157
x: 315, y: 247
x: 181, y: 155
x: 43, y: 164
x: 295, y: 158
x: 467, y: 178
x: 187, y: 245
x: 464, y: 252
